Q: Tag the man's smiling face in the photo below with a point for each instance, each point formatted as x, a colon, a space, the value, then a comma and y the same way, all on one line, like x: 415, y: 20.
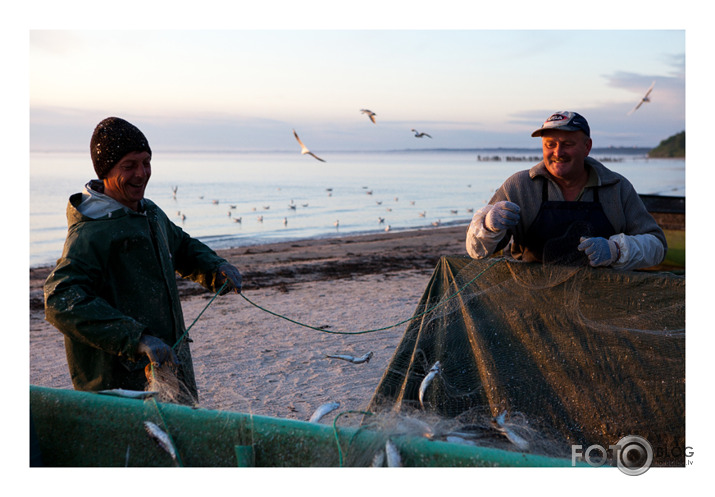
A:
x: 127, y: 180
x: 565, y: 153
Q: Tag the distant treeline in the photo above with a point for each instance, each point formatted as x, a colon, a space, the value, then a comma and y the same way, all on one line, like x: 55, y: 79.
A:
x: 670, y: 147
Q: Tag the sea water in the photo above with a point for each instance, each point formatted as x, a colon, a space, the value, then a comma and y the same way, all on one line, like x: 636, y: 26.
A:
x: 282, y: 196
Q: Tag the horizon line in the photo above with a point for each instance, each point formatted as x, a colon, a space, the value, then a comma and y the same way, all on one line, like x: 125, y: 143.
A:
x: 630, y: 148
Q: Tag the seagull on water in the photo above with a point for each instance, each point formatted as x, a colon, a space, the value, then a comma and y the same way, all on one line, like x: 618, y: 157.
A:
x: 304, y: 150
x: 646, y: 98
x: 369, y: 113
x: 420, y: 135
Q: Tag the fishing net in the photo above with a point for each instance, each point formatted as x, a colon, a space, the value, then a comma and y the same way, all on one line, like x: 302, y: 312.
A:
x: 538, y: 358
x: 165, y: 381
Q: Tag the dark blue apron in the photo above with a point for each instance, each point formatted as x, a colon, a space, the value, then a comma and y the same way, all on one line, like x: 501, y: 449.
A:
x: 554, y: 235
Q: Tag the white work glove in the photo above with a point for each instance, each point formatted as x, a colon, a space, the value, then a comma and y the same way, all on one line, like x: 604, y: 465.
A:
x: 600, y: 252
x: 503, y: 215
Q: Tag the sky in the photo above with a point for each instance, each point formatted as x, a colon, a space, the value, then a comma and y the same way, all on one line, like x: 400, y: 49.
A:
x: 247, y: 89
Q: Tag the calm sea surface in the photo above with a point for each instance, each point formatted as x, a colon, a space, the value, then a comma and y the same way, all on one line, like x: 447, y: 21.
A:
x: 281, y: 196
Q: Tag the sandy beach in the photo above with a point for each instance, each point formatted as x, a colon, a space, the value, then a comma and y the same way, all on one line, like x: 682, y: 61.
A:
x: 248, y: 360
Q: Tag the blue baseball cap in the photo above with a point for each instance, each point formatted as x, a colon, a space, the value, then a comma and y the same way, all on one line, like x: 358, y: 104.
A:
x: 564, y: 121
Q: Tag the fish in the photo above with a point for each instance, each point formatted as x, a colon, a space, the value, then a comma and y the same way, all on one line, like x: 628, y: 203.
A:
x: 394, y: 460
x: 501, y: 426
x: 349, y: 358
x: 378, y: 460
x: 456, y: 439
x: 322, y: 411
x: 434, y: 371
x: 161, y: 438
x: 129, y: 394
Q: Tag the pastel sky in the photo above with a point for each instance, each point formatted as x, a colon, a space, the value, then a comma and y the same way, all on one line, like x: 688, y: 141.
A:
x: 246, y: 89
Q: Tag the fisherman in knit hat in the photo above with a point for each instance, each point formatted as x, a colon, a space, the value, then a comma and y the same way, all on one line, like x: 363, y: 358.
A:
x: 113, y: 293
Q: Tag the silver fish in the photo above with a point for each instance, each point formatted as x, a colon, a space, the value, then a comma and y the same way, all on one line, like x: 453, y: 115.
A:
x: 378, y: 460
x: 434, y: 371
x: 499, y: 424
x: 129, y: 394
x: 393, y: 455
x: 322, y: 411
x: 455, y: 439
x: 161, y: 438
x: 354, y: 360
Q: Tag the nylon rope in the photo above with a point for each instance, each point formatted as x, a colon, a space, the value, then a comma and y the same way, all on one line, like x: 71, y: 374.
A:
x: 427, y: 311
x: 337, y: 438
x: 218, y: 292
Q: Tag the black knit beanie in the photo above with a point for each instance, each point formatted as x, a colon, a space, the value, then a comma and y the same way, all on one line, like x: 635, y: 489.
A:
x: 112, y: 139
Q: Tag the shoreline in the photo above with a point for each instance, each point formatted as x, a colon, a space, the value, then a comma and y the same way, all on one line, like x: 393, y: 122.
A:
x: 326, y: 257
x: 247, y: 360
x: 229, y: 243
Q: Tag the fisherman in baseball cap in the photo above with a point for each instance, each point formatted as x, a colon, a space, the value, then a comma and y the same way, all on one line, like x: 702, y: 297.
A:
x: 564, y: 121
x: 568, y: 209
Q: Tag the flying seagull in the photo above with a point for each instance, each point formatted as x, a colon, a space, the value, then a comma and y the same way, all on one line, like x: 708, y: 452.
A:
x: 420, y: 135
x: 304, y: 150
x: 369, y: 113
x: 643, y: 100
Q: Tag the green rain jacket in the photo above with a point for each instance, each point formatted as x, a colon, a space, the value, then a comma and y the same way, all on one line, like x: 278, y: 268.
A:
x: 115, y: 281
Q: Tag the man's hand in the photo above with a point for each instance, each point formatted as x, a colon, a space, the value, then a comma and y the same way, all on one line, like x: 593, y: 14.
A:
x: 157, y: 351
x: 600, y: 252
x: 502, y: 216
x: 230, y: 275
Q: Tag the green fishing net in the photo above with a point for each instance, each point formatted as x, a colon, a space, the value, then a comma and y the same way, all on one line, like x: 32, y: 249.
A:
x: 540, y: 358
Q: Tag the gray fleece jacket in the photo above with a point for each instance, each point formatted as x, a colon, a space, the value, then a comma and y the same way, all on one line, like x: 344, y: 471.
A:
x: 642, y: 242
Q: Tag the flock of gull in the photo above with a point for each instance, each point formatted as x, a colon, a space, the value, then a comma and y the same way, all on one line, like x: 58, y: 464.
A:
x: 293, y: 206
x: 304, y: 150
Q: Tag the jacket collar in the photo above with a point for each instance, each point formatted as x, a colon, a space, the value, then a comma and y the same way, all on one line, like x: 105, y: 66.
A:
x: 94, y: 204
